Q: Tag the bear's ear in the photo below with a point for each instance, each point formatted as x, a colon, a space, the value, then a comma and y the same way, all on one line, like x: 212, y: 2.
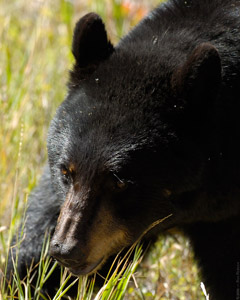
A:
x: 90, y: 44
x: 200, y: 76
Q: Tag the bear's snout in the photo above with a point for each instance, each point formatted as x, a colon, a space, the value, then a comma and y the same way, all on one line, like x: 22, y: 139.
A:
x: 71, y: 257
x: 66, y: 253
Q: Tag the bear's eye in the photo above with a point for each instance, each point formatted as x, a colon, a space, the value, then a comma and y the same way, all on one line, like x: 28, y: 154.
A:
x: 121, y: 184
x: 65, y: 174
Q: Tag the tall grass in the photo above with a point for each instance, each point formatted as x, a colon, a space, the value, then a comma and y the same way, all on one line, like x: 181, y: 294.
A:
x: 34, y: 60
x: 32, y: 286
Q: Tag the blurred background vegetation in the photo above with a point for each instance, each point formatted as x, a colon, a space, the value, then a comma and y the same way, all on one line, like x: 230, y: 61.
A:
x: 35, y: 56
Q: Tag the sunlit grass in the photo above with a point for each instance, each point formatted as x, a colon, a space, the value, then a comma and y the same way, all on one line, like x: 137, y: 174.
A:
x: 35, y: 43
x: 32, y: 287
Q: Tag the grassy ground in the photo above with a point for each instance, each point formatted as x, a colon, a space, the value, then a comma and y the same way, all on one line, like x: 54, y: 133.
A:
x: 34, y: 61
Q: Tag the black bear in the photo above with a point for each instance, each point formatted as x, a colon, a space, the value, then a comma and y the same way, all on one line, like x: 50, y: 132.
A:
x: 149, y: 128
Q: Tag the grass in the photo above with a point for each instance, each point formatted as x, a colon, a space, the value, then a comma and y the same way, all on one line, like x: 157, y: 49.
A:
x: 114, y: 287
x: 34, y: 60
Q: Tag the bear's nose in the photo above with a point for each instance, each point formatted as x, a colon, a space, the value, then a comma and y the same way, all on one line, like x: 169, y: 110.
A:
x: 65, y: 251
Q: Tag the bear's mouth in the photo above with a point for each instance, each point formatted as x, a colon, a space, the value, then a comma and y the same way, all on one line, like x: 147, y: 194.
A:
x: 86, y: 268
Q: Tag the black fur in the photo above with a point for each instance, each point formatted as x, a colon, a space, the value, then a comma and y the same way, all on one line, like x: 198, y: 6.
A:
x: 159, y: 116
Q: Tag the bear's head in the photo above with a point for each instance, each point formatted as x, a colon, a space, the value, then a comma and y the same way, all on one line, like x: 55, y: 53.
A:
x: 125, y: 147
